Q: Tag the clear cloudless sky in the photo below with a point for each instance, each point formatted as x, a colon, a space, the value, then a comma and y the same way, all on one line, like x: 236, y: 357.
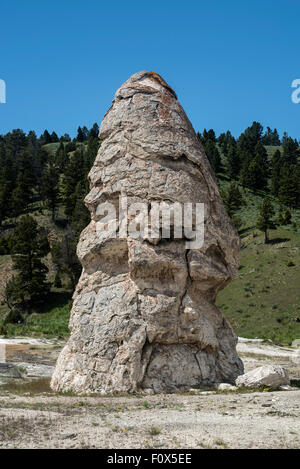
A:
x: 230, y: 62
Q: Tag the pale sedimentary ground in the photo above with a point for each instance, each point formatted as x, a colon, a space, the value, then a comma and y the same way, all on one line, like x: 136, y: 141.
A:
x: 255, y: 420
x: 30, y: 418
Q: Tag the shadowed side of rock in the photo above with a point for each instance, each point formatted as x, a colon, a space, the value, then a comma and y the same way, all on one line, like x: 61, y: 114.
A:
x: 144, y: 313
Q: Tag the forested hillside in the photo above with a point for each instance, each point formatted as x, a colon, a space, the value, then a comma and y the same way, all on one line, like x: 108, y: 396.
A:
x: 43, y: 181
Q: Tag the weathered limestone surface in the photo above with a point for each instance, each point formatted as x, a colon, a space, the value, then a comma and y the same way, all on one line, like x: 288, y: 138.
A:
x: 144, y: 314
x: 272, y: 376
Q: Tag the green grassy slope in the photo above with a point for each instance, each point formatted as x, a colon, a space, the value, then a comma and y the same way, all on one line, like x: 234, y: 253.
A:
x: 52, y: 148
x: 264, y: 301
x: 271, y: 150
x: 51, y: 322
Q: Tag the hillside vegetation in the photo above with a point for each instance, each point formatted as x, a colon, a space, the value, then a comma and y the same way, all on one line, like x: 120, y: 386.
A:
x: 42, y: 185
x: 264, y: 301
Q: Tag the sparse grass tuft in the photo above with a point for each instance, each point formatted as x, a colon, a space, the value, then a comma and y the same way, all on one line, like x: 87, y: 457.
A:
x: 153, y: 431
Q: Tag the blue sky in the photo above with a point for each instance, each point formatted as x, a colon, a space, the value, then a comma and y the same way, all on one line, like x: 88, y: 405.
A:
x: 230, y: 62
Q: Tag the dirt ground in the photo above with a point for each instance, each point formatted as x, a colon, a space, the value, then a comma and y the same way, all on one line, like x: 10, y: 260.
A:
x: 32, y: 417
x: 256, y: 420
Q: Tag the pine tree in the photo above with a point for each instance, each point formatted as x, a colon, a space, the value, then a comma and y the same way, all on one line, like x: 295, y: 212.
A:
x: 284, y: 138
x: 275, y: 138
x: 38, y: 155
x: 57, y: 281
x: 276, y: 164
x: 281, y: 218
x: 287, y: 218
x: 250, y: 138
x: 65, y: 138
x: 260, y: 151
x: 291, y: 152
x: 71, y: 146
x: 50, y: 188
x: 271, y: 137
x: 54, y: 137
x: 29, y: 286
x: 213, y: 155
x: 265, y: 220
x: 225, y: 140
x: 85, y: 132
x: 61, y: 157
x: 233, y: 163
x: 80, y: 215
x: 15, y: 141
x: 232, y: 198
x: 74, y: 172
x: 90, y: 155
x: 289, y: 190
x: 22, y: 194
x: 284, y: 217
x: 64, y: 256
x: 254, y: 172
x: 45, y: 138
x: 7, y: 177
x: 80, y: 135
x: 32, y: 144
x: 93, y: 133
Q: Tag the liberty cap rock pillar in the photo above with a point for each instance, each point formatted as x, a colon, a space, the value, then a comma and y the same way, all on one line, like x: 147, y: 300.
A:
x: 144, y: 313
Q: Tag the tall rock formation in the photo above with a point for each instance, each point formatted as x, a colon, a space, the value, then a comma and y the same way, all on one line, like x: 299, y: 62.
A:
x: 144, y: 313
